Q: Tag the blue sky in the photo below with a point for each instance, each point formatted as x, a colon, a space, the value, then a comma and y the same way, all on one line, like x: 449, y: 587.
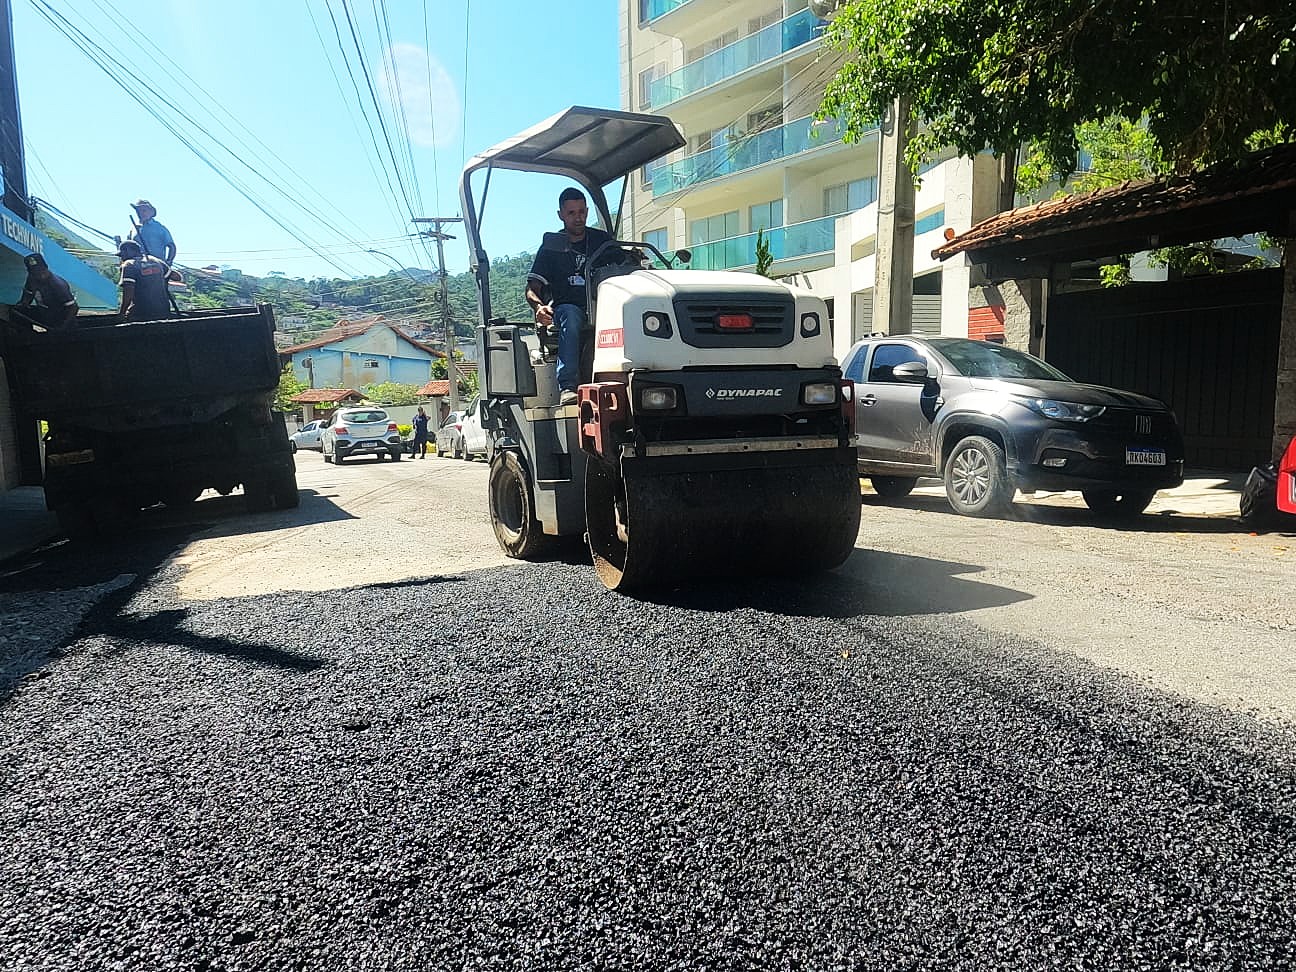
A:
x: 91, y: 149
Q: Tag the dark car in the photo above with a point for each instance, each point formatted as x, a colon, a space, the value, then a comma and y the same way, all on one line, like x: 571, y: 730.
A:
x: 989, y: 420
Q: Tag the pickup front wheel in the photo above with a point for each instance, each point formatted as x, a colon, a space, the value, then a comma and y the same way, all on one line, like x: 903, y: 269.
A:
x: 976, y: 478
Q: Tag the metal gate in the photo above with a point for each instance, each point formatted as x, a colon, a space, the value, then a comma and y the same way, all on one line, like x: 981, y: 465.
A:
x: 1207, y: 346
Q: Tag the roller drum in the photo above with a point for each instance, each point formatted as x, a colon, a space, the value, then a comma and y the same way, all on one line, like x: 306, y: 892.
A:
x: 660, y: 522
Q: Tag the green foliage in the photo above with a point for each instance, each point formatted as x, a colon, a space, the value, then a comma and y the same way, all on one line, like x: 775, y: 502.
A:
x: 1210, y: 79
x: 764, y: 259
x: 405, y: 430
x: 1118, y: 150
x: 391, y: 393
x: 289, y: 385
x: 1114, y: 274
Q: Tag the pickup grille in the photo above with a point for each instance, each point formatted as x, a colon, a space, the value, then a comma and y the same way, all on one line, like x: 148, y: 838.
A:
x: 772, y: 317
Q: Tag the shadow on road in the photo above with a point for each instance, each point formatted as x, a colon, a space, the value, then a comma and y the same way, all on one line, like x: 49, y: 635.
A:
x: 871, y: 582
x: 1168, y: 521
x: 166, y: 628
x: 121, y: 566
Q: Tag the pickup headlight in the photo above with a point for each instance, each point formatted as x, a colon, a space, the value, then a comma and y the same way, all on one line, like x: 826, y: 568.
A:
x: 1063, y: 411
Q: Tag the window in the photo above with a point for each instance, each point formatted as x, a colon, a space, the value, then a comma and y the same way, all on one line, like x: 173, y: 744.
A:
x: 646, y: 79
x: 887, y: 356
x: 714, y: 44
x: 765, y: 120
x: 658, y: 238
x: 854, y: 369
x: 370, y: 363
x: 849, y: 196
x: 757, y: 24
x: 646, y: 175
x: 719, y: 227
x: 766, y: 216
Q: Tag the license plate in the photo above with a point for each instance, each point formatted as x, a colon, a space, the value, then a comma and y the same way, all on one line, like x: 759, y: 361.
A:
x: 375, y: 443
x: 1135, y: 456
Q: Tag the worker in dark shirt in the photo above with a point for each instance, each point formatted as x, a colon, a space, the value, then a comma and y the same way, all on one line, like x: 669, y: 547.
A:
x: 143, y: 285
x: 54, y: 305
x: 556, y: 287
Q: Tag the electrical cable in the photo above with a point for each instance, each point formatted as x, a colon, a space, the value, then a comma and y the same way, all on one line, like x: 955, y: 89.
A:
x: 123, y: 77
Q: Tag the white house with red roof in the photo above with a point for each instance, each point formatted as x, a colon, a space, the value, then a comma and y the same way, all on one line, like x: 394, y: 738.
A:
x: 357, y: 353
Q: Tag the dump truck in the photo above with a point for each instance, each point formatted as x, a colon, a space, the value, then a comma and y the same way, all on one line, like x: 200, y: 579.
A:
x: 147, y: 412
x: 713, y: 432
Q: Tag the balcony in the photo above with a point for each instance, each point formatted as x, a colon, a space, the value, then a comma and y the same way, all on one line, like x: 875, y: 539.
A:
x: 785, y: 242
x: 650, y: 10
x: 764, y: 45
x: 745, y: 152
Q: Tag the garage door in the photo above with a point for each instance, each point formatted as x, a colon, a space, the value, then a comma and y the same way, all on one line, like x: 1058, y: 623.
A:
x: 1207, y: 346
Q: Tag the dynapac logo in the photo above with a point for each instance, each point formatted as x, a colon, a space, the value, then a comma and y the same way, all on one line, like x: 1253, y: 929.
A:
x: 744, y: 393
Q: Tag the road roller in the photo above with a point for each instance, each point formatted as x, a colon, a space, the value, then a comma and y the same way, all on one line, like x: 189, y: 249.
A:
x: 712, y: 437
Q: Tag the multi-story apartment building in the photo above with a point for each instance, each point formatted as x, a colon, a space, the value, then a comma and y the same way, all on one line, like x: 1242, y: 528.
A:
x: 744, y: 80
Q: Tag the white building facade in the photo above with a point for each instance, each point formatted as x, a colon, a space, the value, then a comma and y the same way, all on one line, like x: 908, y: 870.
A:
x: 744, y: 79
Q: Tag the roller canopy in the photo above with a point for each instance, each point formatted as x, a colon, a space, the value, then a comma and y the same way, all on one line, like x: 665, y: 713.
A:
x: 592, y: 145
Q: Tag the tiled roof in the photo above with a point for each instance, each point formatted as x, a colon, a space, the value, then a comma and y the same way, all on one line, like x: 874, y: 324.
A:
x: 1225, y: 186
x: 316, y: 396
x: 349, y: 329
x: 435, y: 389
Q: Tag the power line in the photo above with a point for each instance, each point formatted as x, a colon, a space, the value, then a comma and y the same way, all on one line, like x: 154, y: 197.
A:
x: 126, y: 80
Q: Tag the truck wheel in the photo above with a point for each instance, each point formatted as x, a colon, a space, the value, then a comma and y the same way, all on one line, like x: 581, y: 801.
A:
x: 512, y: 508
x: 892, y: 487
x: 458, y: 450
x: 182, y: 496
x: 976, y: 478
x: 1112, y: 502
x: 286, y: 496
x: 77, y: 522
x: 396, y: 455
x: 258, y: 497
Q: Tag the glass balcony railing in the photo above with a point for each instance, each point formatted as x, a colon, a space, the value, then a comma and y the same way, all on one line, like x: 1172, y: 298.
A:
x: 735, y: 58
x: 745, y: 152
x: 785, y: 242
x: 650, y: 10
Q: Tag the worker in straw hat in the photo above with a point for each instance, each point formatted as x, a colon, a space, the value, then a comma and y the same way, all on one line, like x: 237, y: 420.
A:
x: 154, y: 238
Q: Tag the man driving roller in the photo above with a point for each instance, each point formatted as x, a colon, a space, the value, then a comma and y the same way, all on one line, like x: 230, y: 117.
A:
x: 560, y: 268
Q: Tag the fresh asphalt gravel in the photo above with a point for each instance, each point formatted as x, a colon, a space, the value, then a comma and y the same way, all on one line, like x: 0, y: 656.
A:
x: 513, y: 769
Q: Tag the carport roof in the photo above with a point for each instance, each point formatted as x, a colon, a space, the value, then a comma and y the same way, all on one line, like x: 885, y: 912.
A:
x: 1253, y: 194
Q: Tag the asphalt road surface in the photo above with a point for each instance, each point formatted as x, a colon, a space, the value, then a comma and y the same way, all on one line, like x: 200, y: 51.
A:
x: 352, y: 737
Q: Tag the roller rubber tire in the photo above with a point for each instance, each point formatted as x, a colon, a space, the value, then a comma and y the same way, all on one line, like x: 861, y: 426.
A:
x: 976, y: 478
x: 512, y: 508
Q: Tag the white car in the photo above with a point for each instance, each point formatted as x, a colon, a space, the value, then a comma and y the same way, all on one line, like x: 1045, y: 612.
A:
x: 364, y: 430
x: 473, y: 437
x: 308, y: 436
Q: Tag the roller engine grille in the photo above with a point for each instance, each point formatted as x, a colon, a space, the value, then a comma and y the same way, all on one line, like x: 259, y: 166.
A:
x: 772, y: 319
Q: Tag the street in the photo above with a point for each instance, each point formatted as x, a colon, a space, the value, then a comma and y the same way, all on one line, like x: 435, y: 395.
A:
x: 354, y: 736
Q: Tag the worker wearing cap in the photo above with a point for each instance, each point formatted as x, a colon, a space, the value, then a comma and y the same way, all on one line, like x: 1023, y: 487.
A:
x: 55, y: 305
x: 144, y: 295
x: 152, y: 235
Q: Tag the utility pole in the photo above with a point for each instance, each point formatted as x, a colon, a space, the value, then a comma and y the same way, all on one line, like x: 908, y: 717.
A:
x: 452, y: 370
x: 893, y: 281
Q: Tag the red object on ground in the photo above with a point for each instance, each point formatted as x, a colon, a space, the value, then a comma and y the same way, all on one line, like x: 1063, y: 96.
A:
x: 1287, y: 479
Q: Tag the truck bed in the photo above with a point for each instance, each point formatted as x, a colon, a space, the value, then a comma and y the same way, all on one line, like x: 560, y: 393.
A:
x: 146, y: 374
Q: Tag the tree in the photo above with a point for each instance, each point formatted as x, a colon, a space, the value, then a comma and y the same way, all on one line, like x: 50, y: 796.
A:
x: 289, y: 385
x: 764, y: 259
x: 391, y: 393
x: 1210, y: 79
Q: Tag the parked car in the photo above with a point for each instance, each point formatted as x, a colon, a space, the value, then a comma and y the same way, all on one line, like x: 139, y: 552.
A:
x: 1268, y: 499
x: 360, y: 431
x: 307, y: 437
x: 473, y: 436
x: 990, y: 420
x: 449, y: 436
